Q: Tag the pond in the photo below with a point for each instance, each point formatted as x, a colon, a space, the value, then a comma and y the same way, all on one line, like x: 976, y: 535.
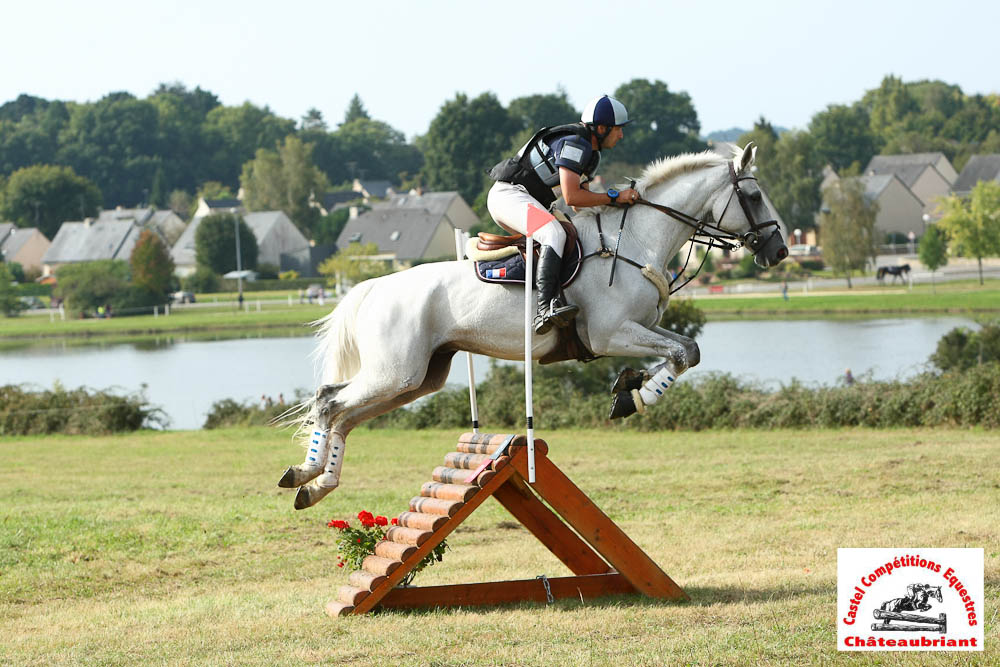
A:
x: 184, y: 377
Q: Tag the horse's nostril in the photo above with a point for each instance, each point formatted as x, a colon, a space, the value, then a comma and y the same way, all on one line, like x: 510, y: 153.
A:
x: 782, y: 253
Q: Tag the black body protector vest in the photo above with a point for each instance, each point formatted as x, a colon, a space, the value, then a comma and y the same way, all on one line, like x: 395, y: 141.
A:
x: 534, y: 165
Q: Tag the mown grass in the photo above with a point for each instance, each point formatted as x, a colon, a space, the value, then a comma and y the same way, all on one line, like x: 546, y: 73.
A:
x: 176, y: 548
x: 211, y: 319
x: 950, y: 299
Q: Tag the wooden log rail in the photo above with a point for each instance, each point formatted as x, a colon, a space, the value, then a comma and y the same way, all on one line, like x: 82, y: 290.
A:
x: 580, y: 543
x: 939, y: 624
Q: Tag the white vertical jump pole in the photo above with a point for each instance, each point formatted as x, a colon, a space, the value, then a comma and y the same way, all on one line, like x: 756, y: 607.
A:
x: 529, y: 258
x: 460, y: 240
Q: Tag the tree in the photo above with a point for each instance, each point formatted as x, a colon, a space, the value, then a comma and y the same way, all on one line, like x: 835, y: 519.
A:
x: 181, y: 203
x: 86, y: 286
x: 534, y: 112
x: 10, y: 304
x: 350, y: 265
x: 665, y: 124
x: 365, y: 148
x: 933, y: 250
x: 284, y: 180
x: 158, y: 193
x: 465, y: 139
x: 843, y: 136
x: 790, y: 171
x: 152, y: 266
x: 215, y: 243
x: 45, y: 196
x: 313, y: 121
x: 848, y: 227
x: 355, y: 110
x: 232, y: 136
x: 973, y: 224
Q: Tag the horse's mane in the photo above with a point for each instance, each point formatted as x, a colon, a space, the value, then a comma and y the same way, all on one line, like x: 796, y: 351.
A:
x: 664, y: 169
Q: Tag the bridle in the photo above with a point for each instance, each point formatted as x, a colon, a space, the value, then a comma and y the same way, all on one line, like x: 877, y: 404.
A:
x: 705, y: 232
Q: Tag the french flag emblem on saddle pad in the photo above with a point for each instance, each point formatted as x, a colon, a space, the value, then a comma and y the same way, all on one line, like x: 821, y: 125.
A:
x: 510, y: 270
x: 496, y: 273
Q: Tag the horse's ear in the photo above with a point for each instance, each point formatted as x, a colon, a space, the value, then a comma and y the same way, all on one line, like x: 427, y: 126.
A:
x: 748, y: 156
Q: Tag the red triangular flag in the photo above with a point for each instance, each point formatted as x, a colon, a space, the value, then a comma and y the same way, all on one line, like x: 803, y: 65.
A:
x: 537, y: 218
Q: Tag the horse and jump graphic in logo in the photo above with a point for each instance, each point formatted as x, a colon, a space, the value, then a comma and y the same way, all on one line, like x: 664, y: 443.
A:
x: 917, y: 598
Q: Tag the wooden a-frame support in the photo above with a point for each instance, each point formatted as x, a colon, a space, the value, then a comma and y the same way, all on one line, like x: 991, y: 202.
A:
x: 604, y: 560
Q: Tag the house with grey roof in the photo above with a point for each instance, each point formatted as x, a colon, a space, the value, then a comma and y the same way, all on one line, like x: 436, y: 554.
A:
x: 279, y: 242
x: 25, y: 246
x: 900, y: 211
x: 373, y: 189
x: 978, y: 168
x: 165, y: 223
x: 210, y: 206
x: 89, y: 241
x: 332, y: 201
x: 407, y: 228
x: 928, y: 175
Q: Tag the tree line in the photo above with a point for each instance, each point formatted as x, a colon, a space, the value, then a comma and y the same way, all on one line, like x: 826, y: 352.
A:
x: 63, y: 160
x: 897, y: 117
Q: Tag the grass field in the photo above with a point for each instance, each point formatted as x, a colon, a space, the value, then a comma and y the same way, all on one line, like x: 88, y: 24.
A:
x: 952, y: 298
x: 177, y: 548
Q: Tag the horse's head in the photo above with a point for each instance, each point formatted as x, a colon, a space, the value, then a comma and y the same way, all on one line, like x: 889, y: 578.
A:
x: 740, y: 209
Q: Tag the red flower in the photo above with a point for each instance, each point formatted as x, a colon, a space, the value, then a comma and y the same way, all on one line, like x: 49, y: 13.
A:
x: 340, y: 565
x: 394, y: 521
x: 381, y: 521
x: 365, y: 516
x: 368, y: 522
x: 359, y: 540
x: 338, y: 524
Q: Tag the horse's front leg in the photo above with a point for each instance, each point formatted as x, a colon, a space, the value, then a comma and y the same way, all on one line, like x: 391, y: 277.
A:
x: 635, y: 391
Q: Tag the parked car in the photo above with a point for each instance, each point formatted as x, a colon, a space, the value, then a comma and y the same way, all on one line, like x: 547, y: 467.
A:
x: 183, y: 297
x: 32, y: 302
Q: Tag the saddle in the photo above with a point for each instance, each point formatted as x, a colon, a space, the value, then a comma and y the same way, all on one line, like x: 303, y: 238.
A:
x: 501, y: 259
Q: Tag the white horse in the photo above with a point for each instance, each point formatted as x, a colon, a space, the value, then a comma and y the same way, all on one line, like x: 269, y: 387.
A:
x: 391, y: 339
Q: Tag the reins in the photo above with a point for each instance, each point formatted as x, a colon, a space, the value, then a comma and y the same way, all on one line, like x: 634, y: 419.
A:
x: 705, y: 233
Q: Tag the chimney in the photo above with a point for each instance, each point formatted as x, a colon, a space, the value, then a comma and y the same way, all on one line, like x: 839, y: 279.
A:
x: 87, y: 222
x: 352, y: 212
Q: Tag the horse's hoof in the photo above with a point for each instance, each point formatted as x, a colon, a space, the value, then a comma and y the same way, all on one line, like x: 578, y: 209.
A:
x: 622, y: 405
x: 310, y: 495
x: 296, y: 476
x: 628, y: 380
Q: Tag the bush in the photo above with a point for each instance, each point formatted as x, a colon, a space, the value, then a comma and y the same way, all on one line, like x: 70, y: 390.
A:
x: 961, y: 348
x: 202, y: 281
x: 812, y: 264
x: 747, y: 268
x: 683, y: 317
x: 79, y: 411
x: 267, y: 271
x: 228, y: 412
x: 288, y: 275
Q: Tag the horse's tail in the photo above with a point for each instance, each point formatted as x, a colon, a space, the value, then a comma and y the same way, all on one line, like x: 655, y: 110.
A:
x: 336, y: 354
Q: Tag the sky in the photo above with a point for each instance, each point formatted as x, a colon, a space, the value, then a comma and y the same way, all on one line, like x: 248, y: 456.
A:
x: 784, y: 60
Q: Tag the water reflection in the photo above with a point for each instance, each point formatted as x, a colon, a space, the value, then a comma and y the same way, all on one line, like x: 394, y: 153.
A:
x: 186, y: 373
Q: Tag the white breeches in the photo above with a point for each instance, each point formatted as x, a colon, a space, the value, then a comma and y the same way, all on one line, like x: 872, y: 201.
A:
x: 508, y: 204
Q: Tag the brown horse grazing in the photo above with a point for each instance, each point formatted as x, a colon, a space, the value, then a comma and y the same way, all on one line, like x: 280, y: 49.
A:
x: 894, y: 271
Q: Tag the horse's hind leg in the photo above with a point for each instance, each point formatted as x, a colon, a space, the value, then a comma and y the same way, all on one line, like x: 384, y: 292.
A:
x: 317, y: 446
x: 351, y: 411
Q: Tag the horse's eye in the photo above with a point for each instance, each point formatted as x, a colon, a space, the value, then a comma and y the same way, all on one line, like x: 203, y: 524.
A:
x: 756, y: 197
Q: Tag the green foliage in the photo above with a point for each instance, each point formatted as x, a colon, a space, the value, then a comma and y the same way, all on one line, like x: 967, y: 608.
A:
x: 747, y: 268
x: 665, y: 123
x: 45, y: 196
x: 328, y: 229
x: 349, y: 264
x: 284, y: 180
x: 86, y: 286
x: 234, y: 134
x: 465, y: 138
x: 151, y: 264
x: 848, y: 227
x: 960, y: 349
x: 158, y: 196
x: 10, y: 300
x: 267, y: 271
x: 354, y: 544
x: 973, y: 224
x: 227, y: 413
x: 355, y: 111
x: 16, y: 271
x: 933, y: 250
x: 288, y: 275
x: 181, y: 203
x: 203, y: 281
x: 215, y: 243
x: 843, y: 136
x: 24, y: 411
x: 683, y: 317
x: 533, y: 112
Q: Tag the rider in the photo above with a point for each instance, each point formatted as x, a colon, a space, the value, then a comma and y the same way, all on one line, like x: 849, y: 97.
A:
x: 561, y: 159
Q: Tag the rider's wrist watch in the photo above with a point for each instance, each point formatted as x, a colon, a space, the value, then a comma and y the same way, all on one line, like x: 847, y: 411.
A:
x: 613, y: 195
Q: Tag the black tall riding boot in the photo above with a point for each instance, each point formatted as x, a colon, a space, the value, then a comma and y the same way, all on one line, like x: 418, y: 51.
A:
x: 552, y: 311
